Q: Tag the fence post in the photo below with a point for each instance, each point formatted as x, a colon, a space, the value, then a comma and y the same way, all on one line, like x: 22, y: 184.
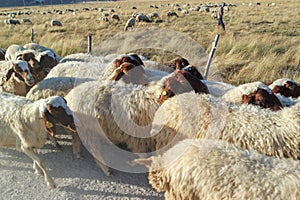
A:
x: 211, y: 54
x: 32, y: 35
x: 90, y: 44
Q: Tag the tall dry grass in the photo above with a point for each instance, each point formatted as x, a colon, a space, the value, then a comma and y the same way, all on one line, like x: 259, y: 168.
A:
x: 260, y: 42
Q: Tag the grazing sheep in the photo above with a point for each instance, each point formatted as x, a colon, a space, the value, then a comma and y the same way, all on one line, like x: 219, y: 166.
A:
x: 213, y: 170
x: 26, y: 21
x: 15, y: 76
x: 256, y: 93
x: 55, y: 23
x: 142, y: 18
x: 12, y: 21
x: 115, y: 16
x: 104, y: 19
x: 251, y: 127
x: 130, y: 23
x: 286, y: 87
x: 154, y: 15
x: 24, y: 125
x: 172, y: 13
x: 2, y: 54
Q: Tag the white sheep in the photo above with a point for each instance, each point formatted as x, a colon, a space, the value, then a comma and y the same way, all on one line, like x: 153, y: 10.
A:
x: 213, y: 170
x: 218, y: 89
x: 130, y: 23
x: 251, y: 127
x: 24, y: 125
x: 13, y: 51
x: 40, y: 48
x: 16, y: 77
x: 84, y: 57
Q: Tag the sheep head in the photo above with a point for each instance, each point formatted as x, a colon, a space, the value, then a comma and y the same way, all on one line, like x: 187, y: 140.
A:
x: 263, y: 99
x: 130, y: 58
x: 193, y: 70
x: 130, y: 73
x: 21, y: 71
x: 55, y: 112
x: 180, y: 82
x: 30, y: 58
x: 289, y: 89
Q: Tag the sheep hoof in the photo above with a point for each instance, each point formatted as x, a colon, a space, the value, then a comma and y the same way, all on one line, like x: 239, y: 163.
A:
x: 51, y: 185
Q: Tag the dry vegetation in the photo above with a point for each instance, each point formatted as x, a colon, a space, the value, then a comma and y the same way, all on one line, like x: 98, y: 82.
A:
x: 261, y: 42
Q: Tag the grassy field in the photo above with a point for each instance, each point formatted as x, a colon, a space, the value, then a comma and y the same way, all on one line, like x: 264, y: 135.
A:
x: 261, y: 42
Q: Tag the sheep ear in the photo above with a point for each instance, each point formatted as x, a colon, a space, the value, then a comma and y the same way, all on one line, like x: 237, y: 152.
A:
x: 48, y: 124
x: 7, y: 75
x: 144, y: 161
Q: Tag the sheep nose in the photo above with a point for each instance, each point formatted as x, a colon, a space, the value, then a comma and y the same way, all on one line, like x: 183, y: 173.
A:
x: 30, y: 81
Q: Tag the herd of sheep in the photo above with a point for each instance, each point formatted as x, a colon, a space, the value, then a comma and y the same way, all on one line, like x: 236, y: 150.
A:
x: 211, y: 140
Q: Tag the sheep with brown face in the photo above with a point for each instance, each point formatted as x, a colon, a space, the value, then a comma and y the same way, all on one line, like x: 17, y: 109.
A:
x: 256, y: 93
x: 25, y: 123
x: 181, y: 82
x: 129, y: 73
x: 263, y: 99
x: 286, y: 87
x: 16, y: 77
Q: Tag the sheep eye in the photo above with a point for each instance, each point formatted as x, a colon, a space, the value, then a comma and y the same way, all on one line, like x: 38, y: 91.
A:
x: 164, y: 93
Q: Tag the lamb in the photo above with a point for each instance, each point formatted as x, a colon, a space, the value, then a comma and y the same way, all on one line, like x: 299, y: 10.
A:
x: 286, y: 87
x: 250, y: 127
x: 16, y: 76
x: 256, y: 93
x: 24, y: 125
x: 130, y: 23
x: 123, y: 111
x: 213, y: 169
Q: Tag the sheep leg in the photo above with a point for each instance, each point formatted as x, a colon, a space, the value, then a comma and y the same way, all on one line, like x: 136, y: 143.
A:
x: 37, y: 170
x: 76, y: 145
x: 54, y: 142
x: 106, y: 170
x: 30, y: 153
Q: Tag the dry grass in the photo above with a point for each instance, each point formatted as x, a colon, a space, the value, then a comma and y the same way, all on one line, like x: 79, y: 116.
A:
x: 260, y: 42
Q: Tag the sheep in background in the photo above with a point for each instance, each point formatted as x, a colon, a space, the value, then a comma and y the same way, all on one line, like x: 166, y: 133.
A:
x: 115, y: 16
x: 142, y: 18
x: 212, y: 169
x: 12, y: 21
x: 24, y: 125
x: 104, y: 19
x: 171, y: 14
x: 130, y: 23
x: 154, y: 15
x: 250, y: 127
x: 286, y: 87
x: 256, y: 93
x: 15, y: 76
x: 26, y: 21
x: 55, y: 23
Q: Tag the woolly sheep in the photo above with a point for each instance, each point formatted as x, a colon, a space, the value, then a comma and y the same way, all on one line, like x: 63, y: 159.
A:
x: 26, y: 20
x: 212, y: 169
x: 142, y: 18
x: 24, y: 125
x: 115, y: 16
x: 12, y: 51
x: 256, y: 93
x: 130, y: 23
x: 218, y: 89
x: 16, y: 77
x: 120, y: 109
x: 251, y: 127
x: 40, y: 48
x: 84, y: 57
x: 12, y: 21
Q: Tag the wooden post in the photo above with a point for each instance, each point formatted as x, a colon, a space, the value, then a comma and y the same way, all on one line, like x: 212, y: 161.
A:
x: 211, y: 54
x: 90, y: 44
x: 32, y: 35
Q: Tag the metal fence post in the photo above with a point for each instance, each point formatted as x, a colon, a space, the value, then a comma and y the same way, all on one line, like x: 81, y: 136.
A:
x: 211, y: 54
x: 90, y: 44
